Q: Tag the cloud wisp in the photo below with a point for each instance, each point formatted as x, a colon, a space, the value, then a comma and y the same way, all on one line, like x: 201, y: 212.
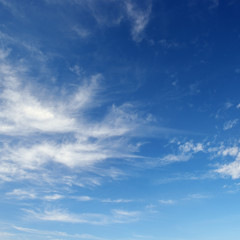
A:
x: 41, y: 130
x: 139, y: 19
x: 41, y: 233
x: 230, y: 124
x: 62, y: 215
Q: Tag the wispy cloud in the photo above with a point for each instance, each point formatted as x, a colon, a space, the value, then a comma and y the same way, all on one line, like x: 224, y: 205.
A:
x: 116, y: 200
x: 228, y: 105
x: 62, y: 215
x: 167, y: 202
x: 53, y: 131
x: 196, y: 196
x: 53, y: 197
x: 213, y: 4
x: 230, y: 124
x: 7, y: 235
x: 64, y: 235
x: 82, y: 198
x: 139, y: 19
x: 112, y: 14
x: 12, y: 8
x: 23, y: 194
x: 167, y: 44
x: 81, y: 32
x: 171, y: 158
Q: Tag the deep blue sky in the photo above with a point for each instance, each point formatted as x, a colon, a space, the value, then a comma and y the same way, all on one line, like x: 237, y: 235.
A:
x: 119, y: 119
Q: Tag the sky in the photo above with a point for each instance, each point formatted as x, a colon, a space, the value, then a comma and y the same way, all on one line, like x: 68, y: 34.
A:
x: 119, y: 119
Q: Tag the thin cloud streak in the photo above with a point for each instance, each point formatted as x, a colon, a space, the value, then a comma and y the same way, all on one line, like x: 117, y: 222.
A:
x: 61, y: 215
x: 41, y: 130
x: 56, y: 234
x: 138, y: 18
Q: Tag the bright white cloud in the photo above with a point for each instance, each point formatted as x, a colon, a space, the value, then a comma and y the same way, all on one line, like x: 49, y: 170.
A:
x: 23, y: 113
x: 54, y: 131
x: 231, y: 169
x: 231, y: 151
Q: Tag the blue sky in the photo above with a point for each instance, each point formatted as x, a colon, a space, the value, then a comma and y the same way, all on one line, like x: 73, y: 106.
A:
x: 119, y: 119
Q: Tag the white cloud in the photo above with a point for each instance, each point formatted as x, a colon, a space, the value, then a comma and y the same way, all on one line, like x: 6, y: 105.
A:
x: 230, y: 124
x: 190, y: 147
x: 53, y: 197
x: 116, y: 200
x: 184, y: 151
x: 228, y: 169
x: 82, y: 198
x: 167, y: 202
x: 5, y: 235
x: 126, y: 9
x: 23, y: 113
x: 41, y: 128
x: 81, y: 32
x: 21, y: 194
x: 123, y: 216
x: 139, y: 19
x: 119, y: 212
x: 232, y: 169
x: 231, y: 151
x: 140, y: 236
x: 61, y: 215
x: 4, y: 53
x: 171, y: 158
x: 64, y: 235
x: 196, y: 196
